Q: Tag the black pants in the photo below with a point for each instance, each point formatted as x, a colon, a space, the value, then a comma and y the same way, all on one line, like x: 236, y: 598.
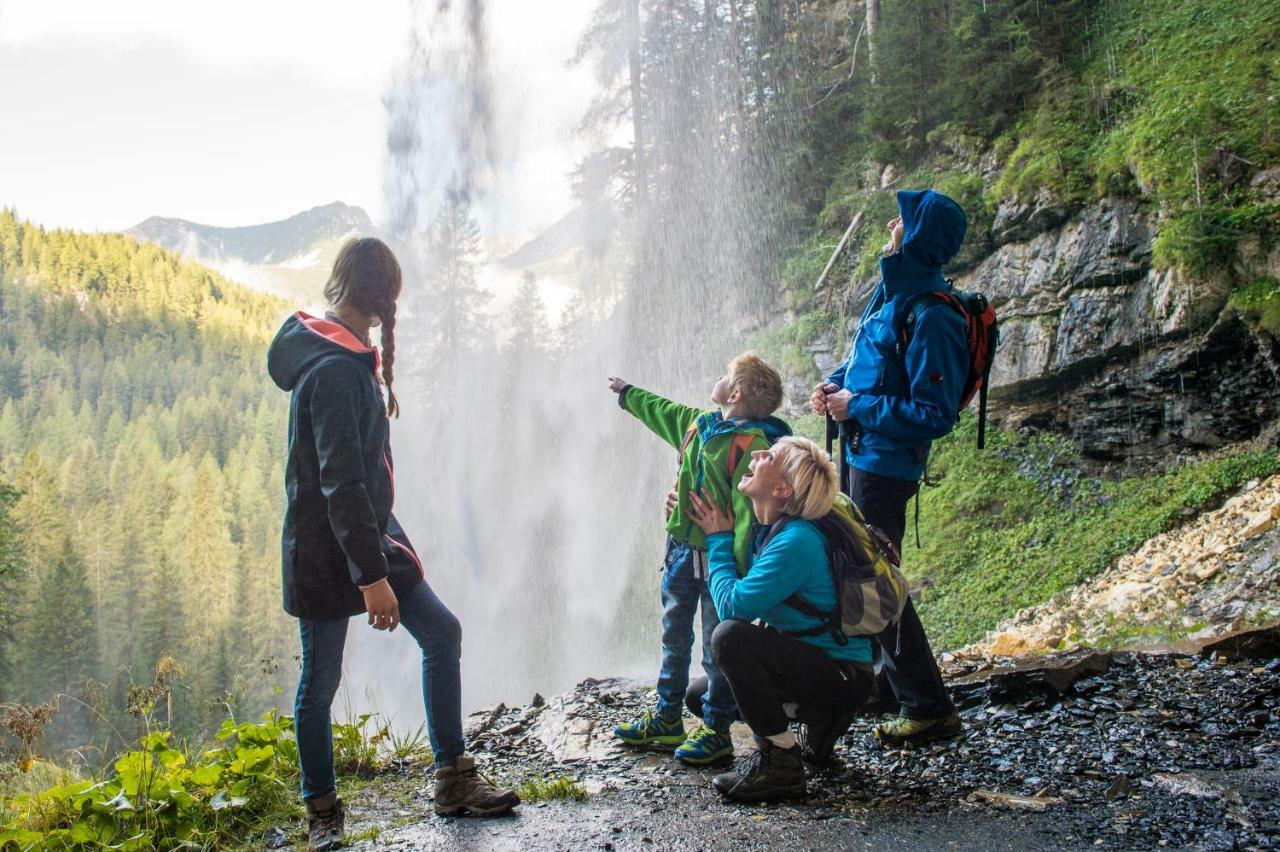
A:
x: 766, y: 669
x: 905, y: 661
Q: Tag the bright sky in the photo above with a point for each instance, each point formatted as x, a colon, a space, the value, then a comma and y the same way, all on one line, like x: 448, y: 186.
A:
x: 246, y: 111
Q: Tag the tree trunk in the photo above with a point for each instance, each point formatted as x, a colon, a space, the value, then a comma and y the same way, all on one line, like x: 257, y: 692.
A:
x: 873, y: 21
x: 632, y: 9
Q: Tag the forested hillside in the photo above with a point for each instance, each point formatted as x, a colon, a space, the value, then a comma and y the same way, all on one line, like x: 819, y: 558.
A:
x: 141, y: 454
x: 1118, y: 163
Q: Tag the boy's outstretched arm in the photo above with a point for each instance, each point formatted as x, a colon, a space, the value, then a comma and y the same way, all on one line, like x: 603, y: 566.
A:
x: 666, y: 419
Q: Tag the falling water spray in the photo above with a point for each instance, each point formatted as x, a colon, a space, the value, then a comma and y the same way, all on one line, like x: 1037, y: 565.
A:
x: 535, y: 502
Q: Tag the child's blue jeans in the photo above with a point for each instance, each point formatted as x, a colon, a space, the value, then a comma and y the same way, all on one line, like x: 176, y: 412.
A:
x: 438, y: 634
x: 682, y: 591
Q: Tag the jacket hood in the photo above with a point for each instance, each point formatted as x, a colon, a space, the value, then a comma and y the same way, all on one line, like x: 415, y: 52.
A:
x: 713, y: 423
x: 933, y: 226
x: 303, y: 340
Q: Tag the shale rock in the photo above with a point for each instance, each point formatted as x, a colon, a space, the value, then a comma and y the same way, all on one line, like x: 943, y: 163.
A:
x: 1197, y: 582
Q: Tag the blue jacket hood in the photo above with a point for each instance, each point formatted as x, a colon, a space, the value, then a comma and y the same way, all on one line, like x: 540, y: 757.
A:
x: 713, y: 423
x: 933, y: 226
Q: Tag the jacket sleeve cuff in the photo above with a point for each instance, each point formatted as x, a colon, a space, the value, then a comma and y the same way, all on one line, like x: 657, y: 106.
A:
x: 858, y: 406
x: 720, y: 552
x: 365, y: 579
x: 622, y: 397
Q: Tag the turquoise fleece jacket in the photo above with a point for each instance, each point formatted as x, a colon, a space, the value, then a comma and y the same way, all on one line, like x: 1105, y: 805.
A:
x: 795, y: 560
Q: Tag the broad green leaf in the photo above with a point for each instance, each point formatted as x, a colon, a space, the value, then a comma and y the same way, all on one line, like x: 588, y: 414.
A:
x: 206, y: 775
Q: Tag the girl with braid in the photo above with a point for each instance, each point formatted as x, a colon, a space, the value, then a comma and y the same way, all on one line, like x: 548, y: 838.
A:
x: 343, y: 551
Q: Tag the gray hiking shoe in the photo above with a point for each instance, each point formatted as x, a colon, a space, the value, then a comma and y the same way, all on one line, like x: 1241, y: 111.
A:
x: 325, y: 820
x: 461, y: 789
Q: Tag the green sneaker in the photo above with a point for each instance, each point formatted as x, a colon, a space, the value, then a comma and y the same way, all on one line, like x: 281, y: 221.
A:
x: 704, y: 746
x: 651, y: 728
x: 903, y: 731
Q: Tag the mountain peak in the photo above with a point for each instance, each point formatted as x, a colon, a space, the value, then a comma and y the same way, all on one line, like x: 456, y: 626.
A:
x: 269, y: 242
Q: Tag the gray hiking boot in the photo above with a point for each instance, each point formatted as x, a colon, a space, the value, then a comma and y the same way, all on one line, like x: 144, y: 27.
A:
x: 461, y: 789
x: 325, y: 820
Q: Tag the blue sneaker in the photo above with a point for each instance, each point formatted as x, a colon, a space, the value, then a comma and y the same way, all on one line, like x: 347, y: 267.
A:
x: 704, y: 746
x: 651, y: 728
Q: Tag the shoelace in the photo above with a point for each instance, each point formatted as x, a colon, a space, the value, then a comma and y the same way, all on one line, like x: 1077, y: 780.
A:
x: 474, y: 776
x: 749, y: 764
x: 701, y: 734
x: 328, y: 820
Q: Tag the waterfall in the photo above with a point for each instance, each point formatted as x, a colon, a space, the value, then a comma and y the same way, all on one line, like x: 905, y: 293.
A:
x: 535, y: 502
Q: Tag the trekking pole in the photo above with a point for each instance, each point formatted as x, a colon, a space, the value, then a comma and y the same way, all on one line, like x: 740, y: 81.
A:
x: 834, y: 438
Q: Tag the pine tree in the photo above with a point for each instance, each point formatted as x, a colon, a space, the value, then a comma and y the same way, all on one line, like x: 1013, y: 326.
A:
x: 12, y: 573
x: 161, y: 622
x: 60, y: 642
x: 455, y: 300
x: 199, y: 539
x: 527, y: 325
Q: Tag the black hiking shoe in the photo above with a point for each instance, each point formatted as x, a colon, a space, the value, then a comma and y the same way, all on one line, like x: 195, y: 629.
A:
x: 765, y: 775
x: 325, y: 821
x: 820, y: 733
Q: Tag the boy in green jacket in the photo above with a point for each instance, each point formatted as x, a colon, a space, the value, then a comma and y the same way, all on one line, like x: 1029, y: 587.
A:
x: 715, y: 450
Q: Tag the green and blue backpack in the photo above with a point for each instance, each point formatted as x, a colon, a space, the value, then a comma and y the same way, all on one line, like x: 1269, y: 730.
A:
x: 871, y: 590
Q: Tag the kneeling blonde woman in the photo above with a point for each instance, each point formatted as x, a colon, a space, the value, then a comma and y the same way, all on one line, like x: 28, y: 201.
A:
x: 790, y: 485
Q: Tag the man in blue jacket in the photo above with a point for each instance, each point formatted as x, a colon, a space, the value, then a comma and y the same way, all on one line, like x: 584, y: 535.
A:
x: 896, y: 394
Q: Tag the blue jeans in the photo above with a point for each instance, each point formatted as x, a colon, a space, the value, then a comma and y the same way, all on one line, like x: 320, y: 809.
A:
x: 438, y: 634
x: 681, y: 593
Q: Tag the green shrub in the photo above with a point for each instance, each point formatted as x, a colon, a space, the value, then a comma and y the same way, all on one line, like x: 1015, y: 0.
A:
x: 1013, y: 525
x: 167, y: 795
x: 1259, y: 304
x: 163, y: 796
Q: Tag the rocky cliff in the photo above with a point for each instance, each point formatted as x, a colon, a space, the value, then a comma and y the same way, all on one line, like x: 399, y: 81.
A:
x: 1136, y: 363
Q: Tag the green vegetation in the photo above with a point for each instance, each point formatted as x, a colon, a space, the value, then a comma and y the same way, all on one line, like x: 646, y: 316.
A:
x: 143, y: 445
x: 549, y: 788
x: 787, y: 348
x: 1173, y: 99
x: 1259, y: 304
x: 167, y: 793
x: 1002, y: 531
x: 1169, y: 100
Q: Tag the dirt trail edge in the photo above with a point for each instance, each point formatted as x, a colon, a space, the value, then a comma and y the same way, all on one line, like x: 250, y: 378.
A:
x: 1110, y: 749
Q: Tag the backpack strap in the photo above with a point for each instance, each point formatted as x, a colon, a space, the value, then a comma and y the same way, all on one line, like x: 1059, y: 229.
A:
x: 688, y: 439
x: 830, y: 618
x: 912, y: 310
x: 738, y: 450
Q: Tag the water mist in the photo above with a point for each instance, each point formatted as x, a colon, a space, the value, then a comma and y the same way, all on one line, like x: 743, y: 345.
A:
x: 535, y: 502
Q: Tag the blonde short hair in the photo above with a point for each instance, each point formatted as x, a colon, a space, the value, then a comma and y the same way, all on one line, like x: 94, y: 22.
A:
x: 760, y: 384
x: 812, y: 476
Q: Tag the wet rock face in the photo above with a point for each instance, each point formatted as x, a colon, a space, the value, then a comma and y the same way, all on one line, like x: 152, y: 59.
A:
x: 1136, y: 364
x: 1131, y: 361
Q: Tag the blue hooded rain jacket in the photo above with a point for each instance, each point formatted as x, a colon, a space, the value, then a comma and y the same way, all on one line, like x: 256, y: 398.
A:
x: 903, y: 401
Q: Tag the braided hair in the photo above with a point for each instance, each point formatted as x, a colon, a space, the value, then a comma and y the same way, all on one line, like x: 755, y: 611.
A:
x: 366, y: 276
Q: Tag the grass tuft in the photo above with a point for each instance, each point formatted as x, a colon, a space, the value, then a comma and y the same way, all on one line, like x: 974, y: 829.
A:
x: 552, y: 787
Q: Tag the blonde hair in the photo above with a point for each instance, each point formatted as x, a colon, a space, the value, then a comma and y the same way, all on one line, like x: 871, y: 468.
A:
x: 366, y: 276
x: 760, y: 384
x: 812, y: 475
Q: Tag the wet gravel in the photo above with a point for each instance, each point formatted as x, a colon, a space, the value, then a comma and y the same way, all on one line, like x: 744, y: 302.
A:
x: 1118, y: 750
